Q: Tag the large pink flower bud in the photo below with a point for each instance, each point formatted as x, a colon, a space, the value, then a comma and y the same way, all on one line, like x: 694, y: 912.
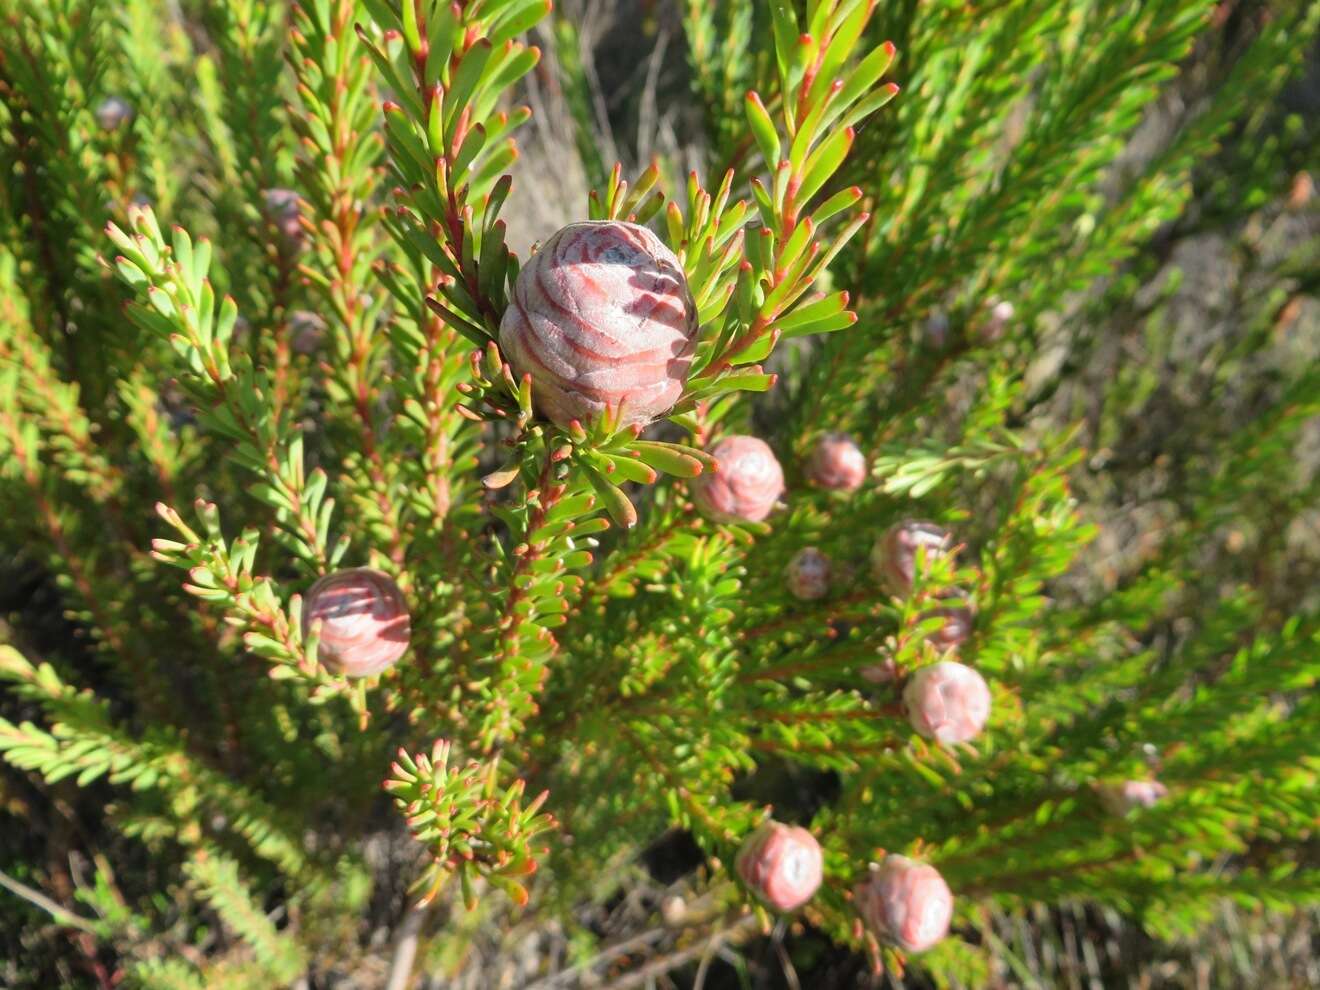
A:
x: 906, y: 903
x: 837, y: 463
x: 894, y: 556
x: 746, y: 484
x: 1119, y: 799
x: 808, y: 574
x: 781, y: 864
x: 602, y: 316
x: 364, y: 621
x: 947, y: 702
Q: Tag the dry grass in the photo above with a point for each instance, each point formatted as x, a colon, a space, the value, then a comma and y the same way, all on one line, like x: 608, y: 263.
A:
x: 633, y: 63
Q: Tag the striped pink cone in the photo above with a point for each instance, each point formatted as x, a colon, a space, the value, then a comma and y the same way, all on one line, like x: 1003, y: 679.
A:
x: 906, y: 903
x: 948, y: 702
x: 808, y: 575
x: 602, y: 316
x: 781, y: 864
x: 746, y: 484
x: 837, y: 463
x: 894, y: 556
x: 364, y: 621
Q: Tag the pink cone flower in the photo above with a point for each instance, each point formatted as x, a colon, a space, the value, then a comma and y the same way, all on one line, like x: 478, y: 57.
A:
x: 364, y: 621
x: 1119, y: 799
x: 906, y: 903
x: 957, y: 616
x: 746, y: 485
x: 808, y: 574
x: 837, y: 463
x: 947, y: 702
x: 894, y: 556
x: 602, y: 316
x: 781, y: 864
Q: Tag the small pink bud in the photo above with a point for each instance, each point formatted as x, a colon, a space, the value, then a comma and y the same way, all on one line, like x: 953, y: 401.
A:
x: 307, y: 330
x: 884, y: 672
x: 746, y: 484
x: 364, y: 621
x: 1001, y: 312
x: 1119, y: 799
x: 1302, y: 190
x: 283, y: 211
x: 808, y: 574
x: 937, y: 330
x: 781, y: 864
x: 957, y: 622
x: 906, y: 903
x: 947, y: 702
x: 894, y: 556
x: 602, y: 316
x: 673, y: 910
x: 113, y: 113
x: 281, y: 202
x: 837, y: 463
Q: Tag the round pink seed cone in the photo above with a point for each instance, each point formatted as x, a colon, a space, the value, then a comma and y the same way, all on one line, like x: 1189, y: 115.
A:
x: 894, y: 556
x: 113, y: 113
x: 601, y: 316
x: 746, y: 485
x: 781, y: 864
x: 837, y: 463
x: 283, y: 210
x: 808, y: 575
x: 906, y: 903
x: 364, y: 621
x: 947, y: 702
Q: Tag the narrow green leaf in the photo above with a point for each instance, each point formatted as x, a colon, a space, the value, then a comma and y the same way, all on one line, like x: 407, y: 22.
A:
x: 616, y: 503
x: 824, y: 162
x: 763, y: 129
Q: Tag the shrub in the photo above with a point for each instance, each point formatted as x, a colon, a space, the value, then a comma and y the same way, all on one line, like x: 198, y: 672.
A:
x: 505, y: 543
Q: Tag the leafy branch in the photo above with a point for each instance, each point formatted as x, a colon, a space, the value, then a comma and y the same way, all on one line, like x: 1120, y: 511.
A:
x: 469, y: 827
x: 232, y: 396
